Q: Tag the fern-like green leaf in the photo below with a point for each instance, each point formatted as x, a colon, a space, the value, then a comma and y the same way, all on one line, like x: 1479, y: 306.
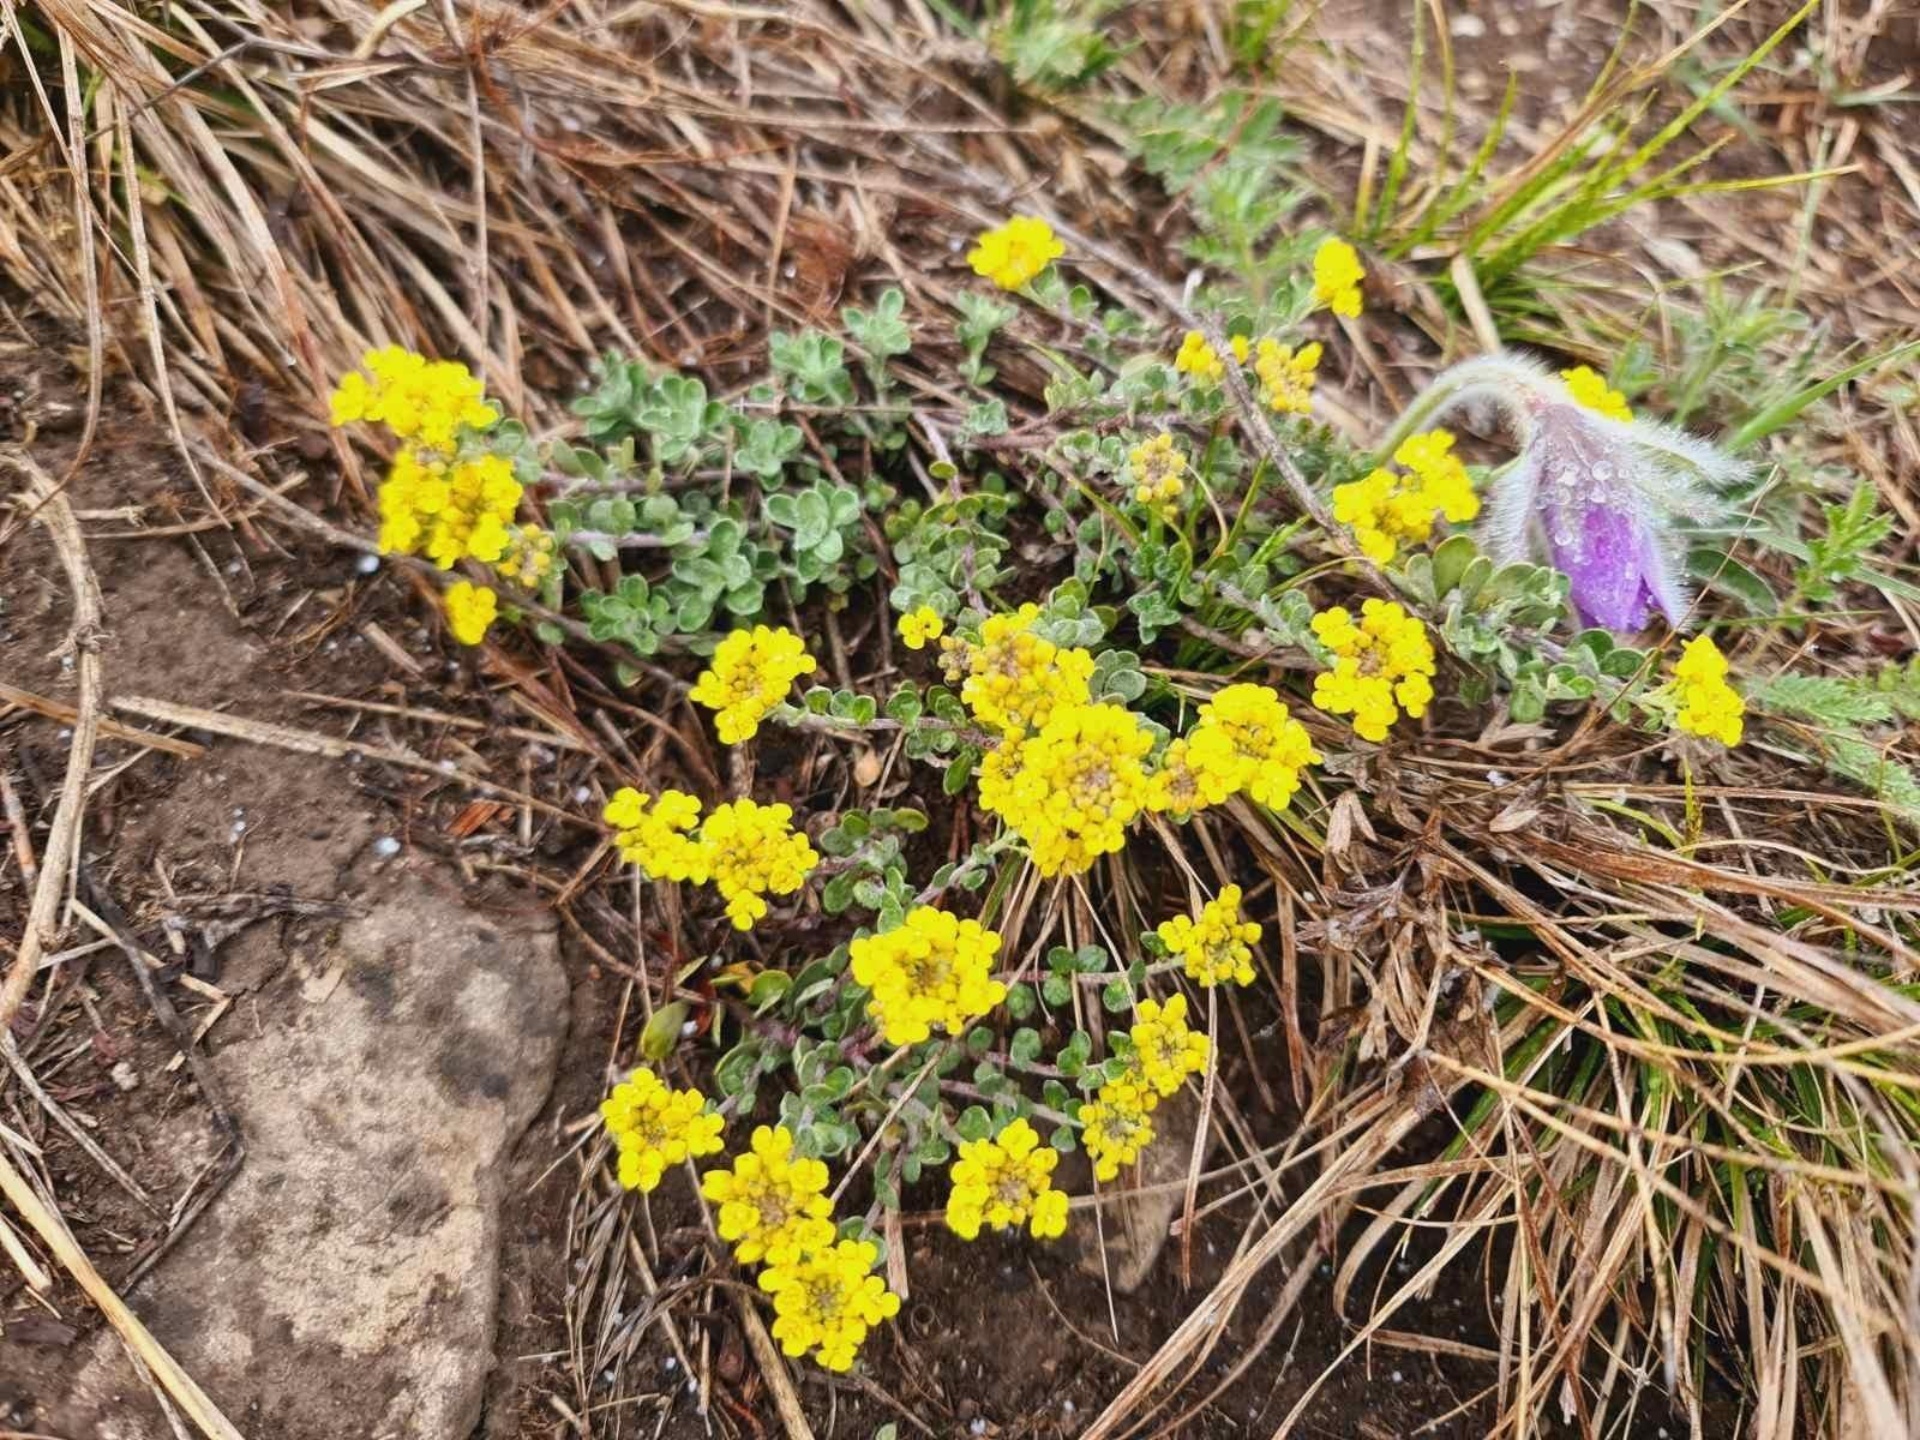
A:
x: 1842, y: 704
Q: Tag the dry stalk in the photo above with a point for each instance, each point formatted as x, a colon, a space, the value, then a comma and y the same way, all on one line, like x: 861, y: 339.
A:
x: 45, y: 500
x: 53, y: 1233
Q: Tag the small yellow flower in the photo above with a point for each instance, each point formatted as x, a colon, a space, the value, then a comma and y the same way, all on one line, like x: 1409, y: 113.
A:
x: 447, y: 510
x: 658, y: 835
x: 1157, y: 468
x: 1287, y: 374
x: 1016, y: 252
x: 1387, y: 509
x: 1336, y: 277
x: 470, y: 611
x: 1246, y: 731
x: 827, y: 1300
x: 1218, y: 945
x: 1004, y: 1183
x: 1015, y: 679
x: 1198, y: 359
x: 428, y: 401
x: 1590, y: 389
x: 932, y: 969
x: 1072, y: 790
x: 1165, y: 1049
x: 1709, y: 706
x: 1199, y: 769
x: 752, y: 671
x: 1118, y: 1125
x: 1383, y: 666
x: 917, y: 627
x: 655, y: 1126
x: 771, y: 1206
x: 752, y: 851
x: 529, y: 556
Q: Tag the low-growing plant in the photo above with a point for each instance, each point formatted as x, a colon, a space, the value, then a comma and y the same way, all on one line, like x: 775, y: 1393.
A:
x: 1191, y: 619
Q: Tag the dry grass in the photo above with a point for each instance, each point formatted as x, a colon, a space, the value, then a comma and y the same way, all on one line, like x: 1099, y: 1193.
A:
x: 1673, y: 1025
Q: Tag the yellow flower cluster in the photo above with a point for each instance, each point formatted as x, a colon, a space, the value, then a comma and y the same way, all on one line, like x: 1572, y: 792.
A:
x: 1118, y: 1120
x: 1388, y: 509
x: 422, y: 400
x: 529, y: 557
x: 1004, y: 1183
x: 658, y: 835
x: 1072, y: 789
x: 1200, y: 360
x: 470, y: 611
x: 827, y: 1300
x: 1244, y: 739
x: 1709, y: 706
x: 1165, y: 1049
x: 771, y: 1206
x: 1070, y: 775
x: 1287, y: 375
x: 1218, y: 945
x: 1157, y: 469
x: 1016, y: 252
x: 1118, y: 1125
x: 1337, y: 274
x: 752, y: 671
x: 654, y: 1126
x: 1383, y: 666
x: 1590, y: 389
x: 448, y: 509
x: 1197, y: 770
x: 917, y: 627
x: 1015, y: 678
x: 747, y: 850
x: 932, y: 969
x: 753, y: 851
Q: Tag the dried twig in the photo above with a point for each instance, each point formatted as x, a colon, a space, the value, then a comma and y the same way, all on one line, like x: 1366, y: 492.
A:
x: 46, y: 499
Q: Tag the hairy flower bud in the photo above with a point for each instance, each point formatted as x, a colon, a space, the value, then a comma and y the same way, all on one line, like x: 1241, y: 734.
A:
x: 1597, y: 497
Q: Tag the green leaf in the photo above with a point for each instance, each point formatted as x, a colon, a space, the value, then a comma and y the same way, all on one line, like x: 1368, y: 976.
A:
x: 662, y: 1032
x: 960, y: 771
x: 1819, y: 698
x: 768, y: 987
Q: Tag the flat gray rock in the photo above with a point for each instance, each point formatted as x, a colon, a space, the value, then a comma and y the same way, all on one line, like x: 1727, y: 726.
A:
x: 346, y: 1282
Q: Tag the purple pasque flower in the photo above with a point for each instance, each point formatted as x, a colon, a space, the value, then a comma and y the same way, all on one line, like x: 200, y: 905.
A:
x: 1599, y: 499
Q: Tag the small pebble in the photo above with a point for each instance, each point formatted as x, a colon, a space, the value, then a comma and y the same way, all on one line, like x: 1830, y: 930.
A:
x: 386, y: 847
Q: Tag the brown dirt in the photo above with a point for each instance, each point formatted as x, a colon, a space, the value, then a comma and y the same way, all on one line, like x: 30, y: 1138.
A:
x: 240, y: 838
